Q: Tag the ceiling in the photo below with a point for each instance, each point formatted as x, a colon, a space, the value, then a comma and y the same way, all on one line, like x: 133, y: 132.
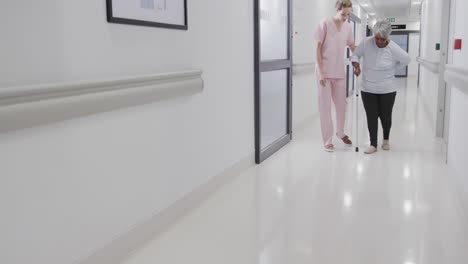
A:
x: 407, y: 9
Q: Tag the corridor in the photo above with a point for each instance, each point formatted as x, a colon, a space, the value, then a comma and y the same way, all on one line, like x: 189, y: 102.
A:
x: 188, y: 132
x: 305, y: 206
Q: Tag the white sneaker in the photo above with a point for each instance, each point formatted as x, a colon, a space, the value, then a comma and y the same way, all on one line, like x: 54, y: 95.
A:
x: 329, y: 148
x: 370, y: 150
x: 386, y: 145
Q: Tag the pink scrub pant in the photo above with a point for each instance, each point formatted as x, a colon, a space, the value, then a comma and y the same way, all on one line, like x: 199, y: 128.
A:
x: 334, y: 89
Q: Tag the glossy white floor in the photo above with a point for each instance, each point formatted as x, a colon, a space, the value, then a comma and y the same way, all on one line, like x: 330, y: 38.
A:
x: 304, y: 205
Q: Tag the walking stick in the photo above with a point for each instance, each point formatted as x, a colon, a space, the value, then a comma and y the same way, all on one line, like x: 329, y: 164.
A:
x: 357, y: 111
x: 357, y: 117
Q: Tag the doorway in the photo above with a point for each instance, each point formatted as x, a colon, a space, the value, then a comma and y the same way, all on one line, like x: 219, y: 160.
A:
x: 402, y: 39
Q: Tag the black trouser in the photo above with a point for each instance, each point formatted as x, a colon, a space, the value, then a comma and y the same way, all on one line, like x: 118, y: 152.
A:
x: 378, y: 106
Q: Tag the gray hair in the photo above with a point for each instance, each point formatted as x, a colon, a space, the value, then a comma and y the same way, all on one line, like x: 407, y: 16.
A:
x: 383, y: 28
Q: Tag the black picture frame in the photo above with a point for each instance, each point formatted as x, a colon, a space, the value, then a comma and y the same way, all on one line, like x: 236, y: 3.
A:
x: 119, y: 20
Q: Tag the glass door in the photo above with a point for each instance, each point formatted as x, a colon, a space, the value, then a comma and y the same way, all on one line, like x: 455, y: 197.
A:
x: 273, y: 76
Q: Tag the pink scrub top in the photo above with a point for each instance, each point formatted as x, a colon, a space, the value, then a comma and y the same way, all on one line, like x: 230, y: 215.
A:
x: 334, y: 43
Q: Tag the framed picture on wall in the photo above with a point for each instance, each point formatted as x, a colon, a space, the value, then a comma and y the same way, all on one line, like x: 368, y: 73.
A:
x: 153, y: 13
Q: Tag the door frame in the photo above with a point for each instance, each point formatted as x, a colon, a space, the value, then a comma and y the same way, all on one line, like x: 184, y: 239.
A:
x: 442, y: 104
x: 259, y: 67
x: 450, y: 54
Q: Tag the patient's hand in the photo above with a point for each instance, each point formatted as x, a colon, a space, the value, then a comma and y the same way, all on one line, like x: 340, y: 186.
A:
x: 357, y: 69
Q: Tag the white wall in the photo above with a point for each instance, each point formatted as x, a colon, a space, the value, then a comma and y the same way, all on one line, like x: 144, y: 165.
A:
x: 457, y: 144
x: 431, y: 20
x: 372, y: 21
x: 413, y: 51
x: 460, y: 57
x: 69, y: 188
x: 361, y: 29
x: 307, y: 15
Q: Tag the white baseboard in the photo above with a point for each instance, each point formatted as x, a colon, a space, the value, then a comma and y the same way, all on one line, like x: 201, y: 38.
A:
x: 445, y: 150
x: 302, y: 124
x: 118, y: 250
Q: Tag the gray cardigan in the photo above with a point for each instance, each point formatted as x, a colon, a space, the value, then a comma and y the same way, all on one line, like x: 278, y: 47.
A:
x: 379, y: 64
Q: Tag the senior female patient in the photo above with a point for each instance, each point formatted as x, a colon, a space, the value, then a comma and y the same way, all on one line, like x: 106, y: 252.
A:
x: 381, y: 57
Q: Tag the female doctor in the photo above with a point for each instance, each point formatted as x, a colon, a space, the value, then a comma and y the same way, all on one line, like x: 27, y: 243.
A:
x: 333, y: 34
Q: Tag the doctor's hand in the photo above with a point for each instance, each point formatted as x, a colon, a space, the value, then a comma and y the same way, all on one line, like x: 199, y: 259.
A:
x: 322, y: 82
x: 322, y: 79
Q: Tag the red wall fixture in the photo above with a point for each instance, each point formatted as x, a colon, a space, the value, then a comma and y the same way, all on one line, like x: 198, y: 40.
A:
x: 458, y: 44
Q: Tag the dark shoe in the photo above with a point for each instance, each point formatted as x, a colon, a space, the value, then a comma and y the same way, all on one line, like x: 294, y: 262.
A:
x: 346, y: 140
